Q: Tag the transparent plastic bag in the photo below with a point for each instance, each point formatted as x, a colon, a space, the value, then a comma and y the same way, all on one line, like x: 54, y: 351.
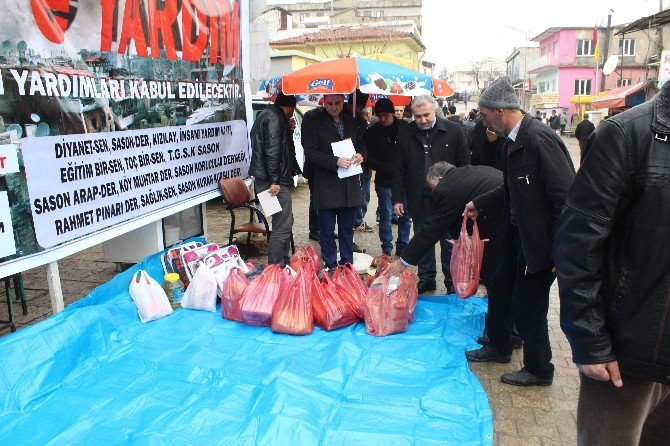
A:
x: 231, y: 294
x: 201, y: 293
x: 149, y: 297
x: 378, y: 266
x: 466, y: 260
x: 292, y: 313
x: 331, y: 309
x: 260, y: 296
x: 386, y: 307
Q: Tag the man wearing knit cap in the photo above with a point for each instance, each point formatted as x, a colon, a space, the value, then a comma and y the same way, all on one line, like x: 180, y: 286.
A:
x: 380, y: 141
x: 538, y: 173
x: 273, y: 164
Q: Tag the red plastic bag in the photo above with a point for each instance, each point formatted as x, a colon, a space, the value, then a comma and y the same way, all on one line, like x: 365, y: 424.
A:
x: 466, y: 261
x: 292, y: 313
x: 231, y: 294
x: 346, y: 277
x: 379, y: 264
x: 331, y: 310
x: 387, y: 306
x: 260, y: 296
x: 408, y: 285
x: 305, y: 255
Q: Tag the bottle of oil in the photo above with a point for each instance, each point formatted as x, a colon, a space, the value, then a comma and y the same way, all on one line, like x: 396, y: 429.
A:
x: 174, y: 288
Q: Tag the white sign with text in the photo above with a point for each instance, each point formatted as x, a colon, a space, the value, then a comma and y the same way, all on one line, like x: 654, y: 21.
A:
x: 79, y: 184
x: 7, y: 244
x: 9, y: 161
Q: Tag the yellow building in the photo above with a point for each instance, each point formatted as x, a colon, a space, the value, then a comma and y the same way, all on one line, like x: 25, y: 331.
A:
x: 359, y: 41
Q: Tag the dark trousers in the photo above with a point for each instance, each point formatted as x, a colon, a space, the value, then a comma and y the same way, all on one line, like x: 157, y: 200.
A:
x: 521, y: 299
x: 312, y: 221
x: 345, y: 230
x: 427, y: 268
x: 279, y: 245
x: 637, y: 413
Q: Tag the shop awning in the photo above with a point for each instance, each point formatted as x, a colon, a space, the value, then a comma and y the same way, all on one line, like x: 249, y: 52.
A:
x: 617, y: 97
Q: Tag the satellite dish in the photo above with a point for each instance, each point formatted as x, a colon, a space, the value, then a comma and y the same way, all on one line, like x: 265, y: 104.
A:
x: 611, y: 64
x: 17, y: 127
x: 42, y: 129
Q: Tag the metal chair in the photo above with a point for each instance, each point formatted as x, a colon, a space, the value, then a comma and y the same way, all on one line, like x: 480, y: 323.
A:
x: 19, y: 294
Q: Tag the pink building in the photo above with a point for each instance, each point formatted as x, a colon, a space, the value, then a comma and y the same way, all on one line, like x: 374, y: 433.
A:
x: 567, y: 78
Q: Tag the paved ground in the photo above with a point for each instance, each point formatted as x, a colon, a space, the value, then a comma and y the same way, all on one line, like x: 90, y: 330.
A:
x: 522, y: 416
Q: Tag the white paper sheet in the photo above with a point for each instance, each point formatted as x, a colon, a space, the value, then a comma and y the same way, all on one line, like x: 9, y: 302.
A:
x: 269, y: 203
x: 345, y: 149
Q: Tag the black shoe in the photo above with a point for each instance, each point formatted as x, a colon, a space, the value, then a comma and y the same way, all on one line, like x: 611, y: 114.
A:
x: 487, y: 354
x: 425, y: 286
x: 450, y: 288
x: 484, y: 339
x: 358, y: 248
x: 398, y: 252
x: 525, y: 378
x: 314, y: 235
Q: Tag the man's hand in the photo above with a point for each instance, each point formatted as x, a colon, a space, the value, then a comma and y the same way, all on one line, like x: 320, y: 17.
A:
x: 471, y: 211
x: 292, y: 123
x: 396, y: 268
x: 344, y: 162
x: 358, y: 159
x: 274, y: 189
x: 399, y: 209
x: 603, y: 372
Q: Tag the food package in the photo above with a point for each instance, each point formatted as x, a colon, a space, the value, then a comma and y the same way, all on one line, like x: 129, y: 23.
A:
x: 305, y: 255
x: 292, y: 313
x: 386, y: 307
x: 231, y: 294
x: 466, y: 261
x: 260, y: 296
x: 201, y: 293
x: 150, y: 299
x: 331, y: 309
x: 191, y: 259
x: 172, y: 259
x: 352, y: 283
x: 378, y: 265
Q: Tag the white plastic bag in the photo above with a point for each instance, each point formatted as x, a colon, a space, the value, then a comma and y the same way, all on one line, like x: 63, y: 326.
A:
x: 201, y: 293
x: 149, y: 297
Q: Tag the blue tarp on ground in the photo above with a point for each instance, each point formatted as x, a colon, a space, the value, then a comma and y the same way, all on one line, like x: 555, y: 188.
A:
x: 94, y: 374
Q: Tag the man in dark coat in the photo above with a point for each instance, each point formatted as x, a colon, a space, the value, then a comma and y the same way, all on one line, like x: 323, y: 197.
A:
x: 421, y: 144
x: 485, y: 147
x: 555, y: 121
x: 613, y: 267
x: 582, y: 133
x: 273, y: 165
x: 453, y: 187
x: 334, y: 198
x: 537, y: 173
x: 380, y: 142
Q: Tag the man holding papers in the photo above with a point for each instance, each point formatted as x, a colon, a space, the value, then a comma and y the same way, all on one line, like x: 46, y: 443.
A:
x: 273, y: 164
x: 334, y: 145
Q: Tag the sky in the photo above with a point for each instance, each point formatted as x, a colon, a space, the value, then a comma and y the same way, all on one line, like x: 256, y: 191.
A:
x: 456, y: 32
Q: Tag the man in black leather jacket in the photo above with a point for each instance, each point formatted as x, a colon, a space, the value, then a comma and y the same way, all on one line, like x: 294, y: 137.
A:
x: 273, y: 164
x: 538, y: 173
x: 613, y: 261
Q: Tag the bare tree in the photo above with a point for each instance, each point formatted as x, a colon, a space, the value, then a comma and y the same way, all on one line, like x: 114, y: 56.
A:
x: 444, y: 74
x: 476, y: 71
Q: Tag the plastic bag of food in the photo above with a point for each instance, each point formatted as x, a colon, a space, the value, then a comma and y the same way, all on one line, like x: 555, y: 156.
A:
x: 292, y: 313
x: 231, y: 294
x: 201, y: 293
x: 305, y: 255
x: 386, y: 307
x: 408, y: 285
x: 346, y: 277
x: 377, y: 267
x: 149, y: 297
x: 260, y: 296
x: 466, y: 260
x: 331, y: 309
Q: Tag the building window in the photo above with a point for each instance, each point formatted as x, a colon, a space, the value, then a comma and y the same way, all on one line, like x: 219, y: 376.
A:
x: 582, y: 87
x: 553, y: 85
x: 302, y: 17
x: 585, y: 47
x: 627, y: 47
x: 624, y: 82
x: 555, y: 49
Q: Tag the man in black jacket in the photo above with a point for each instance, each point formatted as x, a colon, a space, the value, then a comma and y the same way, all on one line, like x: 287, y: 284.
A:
x: 426, y: 141
x: 273, y: 164
x: 613, y: 267
x: 453, y: 187
x: 582, y: 133
x: 537, y: 172
x: 380, y: 142
x: 335, y: 199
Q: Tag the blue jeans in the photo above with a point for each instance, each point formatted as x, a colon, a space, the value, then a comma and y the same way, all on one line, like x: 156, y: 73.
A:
x: 427, y: 268
x: 385, y: 208
x: 362, y: 210
x: 345, y: 222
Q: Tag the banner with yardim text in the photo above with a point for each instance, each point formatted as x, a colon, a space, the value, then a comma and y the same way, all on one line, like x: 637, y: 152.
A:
x: 113, y: 114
